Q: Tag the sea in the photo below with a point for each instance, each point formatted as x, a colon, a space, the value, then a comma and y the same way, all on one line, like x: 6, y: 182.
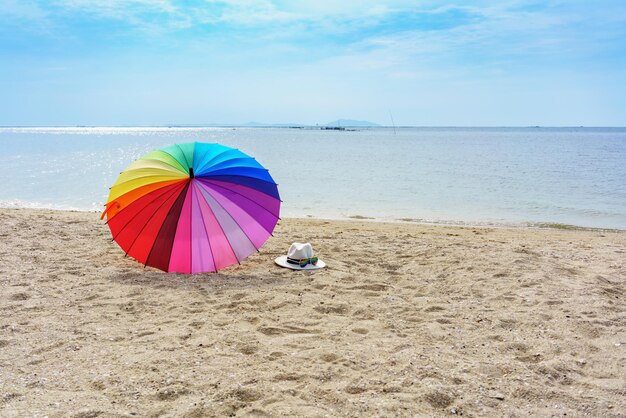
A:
x: 468, y: 176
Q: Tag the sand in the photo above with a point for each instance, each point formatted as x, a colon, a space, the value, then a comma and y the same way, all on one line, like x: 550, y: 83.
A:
x: 407, y: 320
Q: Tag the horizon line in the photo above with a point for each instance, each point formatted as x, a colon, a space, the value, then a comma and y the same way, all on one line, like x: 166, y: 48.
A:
x: 297, y: 126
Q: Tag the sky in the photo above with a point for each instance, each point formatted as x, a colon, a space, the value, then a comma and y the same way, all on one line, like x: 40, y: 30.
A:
x: 211, y: 62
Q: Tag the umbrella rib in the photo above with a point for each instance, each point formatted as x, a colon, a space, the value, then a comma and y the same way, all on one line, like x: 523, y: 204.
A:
x: 206, y: 233
x: 169, y: 194
x: 221, y: 229
x: 163, y: 224
x: 175, y: 157
x: 177, y: 170
x: 185, y: 155
x: 126, y: 207
x: 245, y: 197
x: 220, y: 225
x: 217, y: 166
x: 215, y: 156
x: 272, y: 183
x: 238, y: 225
x: 213, y: 171
x: 179, y: 167
x: 135, y: 215
x: 143, y: 177
x: 146, y: 224
x: 120, y: 197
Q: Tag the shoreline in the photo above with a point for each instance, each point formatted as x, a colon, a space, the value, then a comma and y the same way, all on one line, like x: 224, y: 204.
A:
x: 405, y: 320
x: 409, y: 221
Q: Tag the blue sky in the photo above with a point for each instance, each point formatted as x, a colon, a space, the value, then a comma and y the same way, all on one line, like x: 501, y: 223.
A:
x: 433, y: 63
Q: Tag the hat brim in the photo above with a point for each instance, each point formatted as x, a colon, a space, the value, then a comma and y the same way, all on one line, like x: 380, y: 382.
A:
x: 282, y: 261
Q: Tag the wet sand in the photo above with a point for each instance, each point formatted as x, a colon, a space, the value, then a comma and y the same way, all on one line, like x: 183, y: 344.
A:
x: 406, y: 320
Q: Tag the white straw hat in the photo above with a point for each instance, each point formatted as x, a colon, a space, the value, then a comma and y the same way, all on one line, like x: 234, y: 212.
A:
x: 300, y: 257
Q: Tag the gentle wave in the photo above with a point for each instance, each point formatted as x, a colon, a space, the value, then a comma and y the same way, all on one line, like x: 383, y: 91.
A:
x: 22, y: 204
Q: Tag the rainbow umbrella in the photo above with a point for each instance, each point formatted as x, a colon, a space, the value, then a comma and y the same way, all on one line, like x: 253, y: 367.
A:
x: 192, y: 207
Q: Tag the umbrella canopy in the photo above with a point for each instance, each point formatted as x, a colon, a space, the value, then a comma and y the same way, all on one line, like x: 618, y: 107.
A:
x: 192, y: 207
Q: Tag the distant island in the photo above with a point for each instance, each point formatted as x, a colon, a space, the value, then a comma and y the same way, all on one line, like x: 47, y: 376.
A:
x: 351, y: 123
x: 339, y: 123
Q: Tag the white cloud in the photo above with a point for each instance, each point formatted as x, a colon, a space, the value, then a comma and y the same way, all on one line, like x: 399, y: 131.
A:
x: 137, y: 13
x: 25, y: 15
x: 26, y: 10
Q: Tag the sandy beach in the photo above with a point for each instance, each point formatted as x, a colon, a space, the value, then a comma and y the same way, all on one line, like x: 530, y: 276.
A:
x: 406, y: 320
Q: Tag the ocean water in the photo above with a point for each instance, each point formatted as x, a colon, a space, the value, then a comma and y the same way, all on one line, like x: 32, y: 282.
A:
x: 457, y: 175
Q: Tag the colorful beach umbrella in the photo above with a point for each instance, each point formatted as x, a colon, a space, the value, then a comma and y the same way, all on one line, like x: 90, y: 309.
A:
x: 192, y: 208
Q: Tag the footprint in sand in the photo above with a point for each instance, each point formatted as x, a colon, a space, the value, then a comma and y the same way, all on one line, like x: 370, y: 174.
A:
x: 507, y: 324
x: 275, y: 355
x: 342, y: 309
x: 534, y: 358
x: 275, y: 331
x: 287, y: 377
x: 355, y: 389
x: 197, y: 324
x: 363, y: 314
x: 434, y: 308
x: 329, y: 357
x: 519, y: 347
x: 246, y: 395
x: 47, y: 348
x: 87, y: 413
x: 248, y: 349
x: 439, y: 399
x: 375, y: 287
